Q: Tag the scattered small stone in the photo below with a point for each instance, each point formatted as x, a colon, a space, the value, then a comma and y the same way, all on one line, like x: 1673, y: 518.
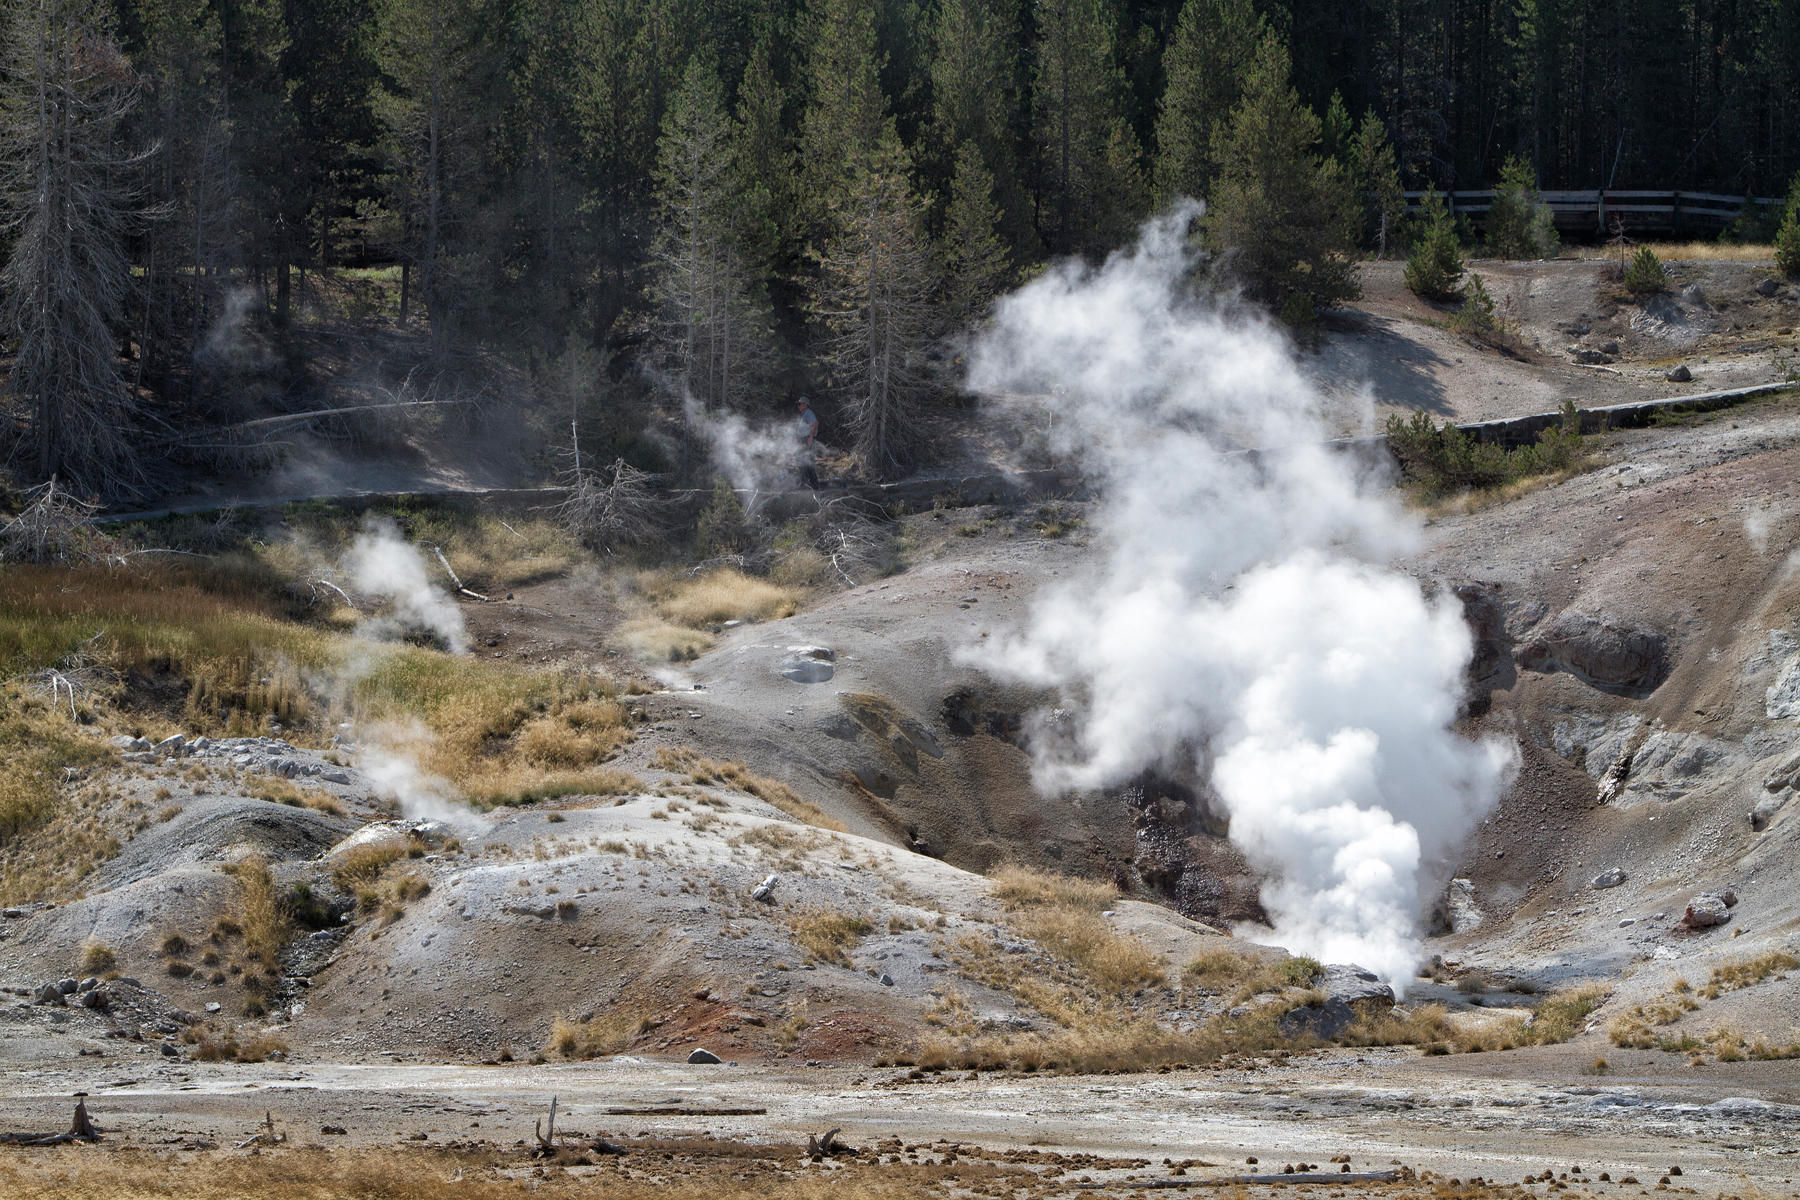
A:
x: 168, y: 1050
x: 703, y: 1057
x: 887, y: 980
x: 213, y: 1006
x: 334, y: 1130
x: 1609, y: 879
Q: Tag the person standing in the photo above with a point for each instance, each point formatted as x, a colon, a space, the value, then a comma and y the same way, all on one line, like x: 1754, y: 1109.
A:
x: 808, y: 448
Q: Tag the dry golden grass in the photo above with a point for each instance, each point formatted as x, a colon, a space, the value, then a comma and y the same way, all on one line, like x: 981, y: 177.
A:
x: 97, y: 958
x: 361, y: 865
x: 277, y: 790
x: 49, y: 861
x: 231, y: 650
x: 36, y: 742
x: 266, y: 929
x: 1747, y: 972
x: 1241, y: 975
x: 1692, y: 252
x: 1021, y: 887
x: 604, y: 1033
x: 653, y: 639
x: 698, y: 601
x: 737, y: 776
x: 829, y: 937
x: 658, y: 1169
x: 230, y: 1045
x: 1063, y: 915
x: 1637, y: 1026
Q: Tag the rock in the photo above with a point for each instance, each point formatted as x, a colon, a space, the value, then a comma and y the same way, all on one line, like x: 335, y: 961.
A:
x: 339, y: 777
x: 1609, y: 879
x: 1767, y: 287
x: 1350, y: 992
x: 168, y: 1050
x: 1765, y: 810
x: 1460, y: 907
x: 49, y: 993
x: 213, y: 1006
x: 1591, y: 357
x: 1785, y: 775
x: 67, y: 986
x: 99, y: 999
x: 1324, y: 1021
x: 1609, y: 348
x: 12, y: 914
x: 1612, y: 656
x: 126, y: 742
x: 762, y: 890
x: 174, y: 746
x: 1679, y: 374
x: 88, y: 984
x: 887, y: 980
x: 334, y: 1130
x: 1361, y: 989
x: 704, y: 1058
x: 1703, y: 912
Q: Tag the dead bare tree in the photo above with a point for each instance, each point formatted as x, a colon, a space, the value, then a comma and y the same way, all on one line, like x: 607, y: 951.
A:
x: 54, y: 527
x: 610, y: 508
x: 66, y: 187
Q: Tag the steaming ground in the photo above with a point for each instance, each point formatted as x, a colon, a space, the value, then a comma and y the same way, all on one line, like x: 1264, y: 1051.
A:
x: 1699, y: 555
x: 1638, y: 627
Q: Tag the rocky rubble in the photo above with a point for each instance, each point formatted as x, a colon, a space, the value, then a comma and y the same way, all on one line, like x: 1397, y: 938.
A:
x: 266, y: 754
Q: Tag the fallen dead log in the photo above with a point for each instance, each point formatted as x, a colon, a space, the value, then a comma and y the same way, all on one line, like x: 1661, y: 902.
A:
x: 683, y: 1110
x: 81, y: 1129
x: 824, y: 1145
x: 457, y: 581
x: 1244, y: 1180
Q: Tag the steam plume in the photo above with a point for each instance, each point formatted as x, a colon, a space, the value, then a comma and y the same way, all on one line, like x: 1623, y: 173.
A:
x: 754, y: 458
x: 1241, y: 619
x: 384, y: 564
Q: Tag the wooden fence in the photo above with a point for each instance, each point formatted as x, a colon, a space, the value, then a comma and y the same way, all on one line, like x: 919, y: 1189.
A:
x: 1596, y: 212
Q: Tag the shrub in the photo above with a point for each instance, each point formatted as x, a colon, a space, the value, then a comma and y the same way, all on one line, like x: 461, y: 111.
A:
x: 1787, y: 235
x: 1476, y: 317
x: 1435, y: 266
x: 724, y: 528
x: 1519, y: 225
x: 828, y: 937
x: 1645, y: 276
x: 1441, y: 461
x: 97, y: 958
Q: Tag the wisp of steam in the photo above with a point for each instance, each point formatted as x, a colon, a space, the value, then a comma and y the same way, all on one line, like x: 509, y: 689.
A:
x: 380, y: 562
x: 1241, y: 618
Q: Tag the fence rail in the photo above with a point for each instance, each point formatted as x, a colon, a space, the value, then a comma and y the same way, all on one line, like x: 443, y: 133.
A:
x: 1636, y: 211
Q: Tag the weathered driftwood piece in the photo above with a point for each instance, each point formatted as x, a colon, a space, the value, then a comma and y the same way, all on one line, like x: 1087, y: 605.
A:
x: 453, y: 578
x: 824, y: 1145
x: 81, y: 1129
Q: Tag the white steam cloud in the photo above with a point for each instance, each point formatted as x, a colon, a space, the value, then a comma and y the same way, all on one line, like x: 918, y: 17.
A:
x: 1241, y: 619
x: 382, y: 563
x: 753, y: 457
